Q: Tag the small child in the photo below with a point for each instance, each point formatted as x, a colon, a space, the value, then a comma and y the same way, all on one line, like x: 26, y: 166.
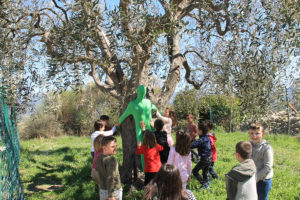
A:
x: 99, y: 130
x: 214, y: 153
x: 105, y: 118
x: 262, y: 155
x: 192, y: 129
x: 169, y: 120
x: 151, y: 150
x: 240, y: 181
x: 180, y: 156
x: 107, y: 167
x: 167, y: 185
x: 161, y: 138
x: 204, y: 150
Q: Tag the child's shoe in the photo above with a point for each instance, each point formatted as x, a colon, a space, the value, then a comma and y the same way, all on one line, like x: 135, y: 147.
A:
x: 204, y: 186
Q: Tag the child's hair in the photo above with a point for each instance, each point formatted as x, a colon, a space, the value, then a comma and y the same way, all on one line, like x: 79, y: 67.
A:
x: 203, y: 127
x: 149, y: 139
x: 99, y: 124
x: 244, y: 148
x: 191, y: 115
x: 158, y: 124
x: 173, y: 117
x: 257, y: 127
x: 98, y: 142
x: 183, y: 143
x: 108, y: 139
x: 165, y: 185
x: 104, y: 117
x: 210, y: 124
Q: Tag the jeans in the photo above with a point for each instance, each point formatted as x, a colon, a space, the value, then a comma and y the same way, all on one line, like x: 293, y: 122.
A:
x: 212, y: 171
x: 203, y: 164
x: 92, y: 153
x: 263, y: 189
x: 103, y: 194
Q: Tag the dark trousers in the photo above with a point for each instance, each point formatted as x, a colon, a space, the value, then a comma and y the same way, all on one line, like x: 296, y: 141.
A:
x: 92, y: 153
x: 148, y: 177
x: 263, y: 189
x: 203, y: 164
x: 195, y: 156
x: 212, y: 171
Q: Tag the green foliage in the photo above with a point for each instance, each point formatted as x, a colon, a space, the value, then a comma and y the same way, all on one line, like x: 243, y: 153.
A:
x: 59, y: 168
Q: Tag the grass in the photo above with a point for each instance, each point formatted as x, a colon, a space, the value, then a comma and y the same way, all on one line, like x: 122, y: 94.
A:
x: 59, y: 168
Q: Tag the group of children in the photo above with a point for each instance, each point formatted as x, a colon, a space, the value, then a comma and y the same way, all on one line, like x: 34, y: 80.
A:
x: 168, y: 164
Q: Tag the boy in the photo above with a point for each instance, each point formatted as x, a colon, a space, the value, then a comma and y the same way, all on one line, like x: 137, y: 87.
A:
x: 161, y: 138
x: 107, y: 167
x: 105, y: 118
x: 214, y: 153
x: 99, y: 126
x: 204, y: 151
x: 262, y: 155
x: 193, y: 131
x: 240, y: 181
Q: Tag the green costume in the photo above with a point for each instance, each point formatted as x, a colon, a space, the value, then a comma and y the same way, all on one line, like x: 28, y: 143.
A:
x: 141, y: 110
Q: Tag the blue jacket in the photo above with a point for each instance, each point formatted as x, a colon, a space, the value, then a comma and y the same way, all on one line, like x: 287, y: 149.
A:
x: 203, y: 145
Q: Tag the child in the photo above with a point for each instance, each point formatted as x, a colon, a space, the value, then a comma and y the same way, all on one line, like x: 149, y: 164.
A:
x: 99, y: 130
x: 240, y: 181
x: 214, y: 153
x: 180, y: 156
x: 105, y: 118
x: 167, y: 185
x: 169, y: 120
x: 193, y: 131
x: 161, y: 138
x: 204, y: 150
x: 107, y: 167
x: 150, y: 149
x: 98, y: 151
x: 262, y: 155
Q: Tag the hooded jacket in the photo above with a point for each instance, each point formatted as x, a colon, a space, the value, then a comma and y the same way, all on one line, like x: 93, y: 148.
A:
x: 240, y: 181
x: 213, y: 139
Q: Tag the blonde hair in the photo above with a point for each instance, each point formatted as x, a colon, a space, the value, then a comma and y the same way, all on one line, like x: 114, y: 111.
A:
x: 97, y: 143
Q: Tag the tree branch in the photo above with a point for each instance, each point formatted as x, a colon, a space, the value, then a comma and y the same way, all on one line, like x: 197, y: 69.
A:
x: 63, y: 10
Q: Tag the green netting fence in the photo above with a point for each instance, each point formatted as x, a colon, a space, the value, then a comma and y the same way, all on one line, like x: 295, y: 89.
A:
x: 10, y: 183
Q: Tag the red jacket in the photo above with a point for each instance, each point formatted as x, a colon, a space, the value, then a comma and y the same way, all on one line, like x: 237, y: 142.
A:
x: 213, y: 140
x: 151, y: 157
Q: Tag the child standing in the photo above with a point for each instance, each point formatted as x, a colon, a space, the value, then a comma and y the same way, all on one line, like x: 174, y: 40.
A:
x: 193, y: 131
x: 214, y: 153
x: 161, y: 138
x: 105, y: 118
x: 240, y: 181
x: 151, y: 150
x: 107, y: 167
x: 262, y: 154
x: 169, y: 120
x: 99, y: 130
x: 98, y: 151
x: 180, y: 156
x: 167, y: 185
x: 204, y: 150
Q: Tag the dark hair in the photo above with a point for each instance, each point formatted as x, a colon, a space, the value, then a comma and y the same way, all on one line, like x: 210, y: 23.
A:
x: 99, y: 124
x: 108, y: 139
x: 104, y: 117
x: 183, y: 143
x: 166, y: 185
x: 244, y: 148
x: 210, y: 124
x: 173, y: 117
x: 203, y: 127
x: 158, y: 124
x: 149, y: 139
x: 97, y: 143
x: 257, y: 127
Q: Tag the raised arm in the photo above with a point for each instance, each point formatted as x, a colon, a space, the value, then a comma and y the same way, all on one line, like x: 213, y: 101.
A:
x: 164, y: 119
x: 126, y: 113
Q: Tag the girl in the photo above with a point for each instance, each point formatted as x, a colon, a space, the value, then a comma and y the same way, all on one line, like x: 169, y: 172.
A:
x: 180, y: 156
x: 150, y: 149
x: 192, y: 129
x: 98, y: 151
x: 167, y: 185
x: 169, y: 120
x: 214, y: 153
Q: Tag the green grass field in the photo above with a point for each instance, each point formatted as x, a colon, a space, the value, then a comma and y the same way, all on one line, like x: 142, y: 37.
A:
x: 59, y: 168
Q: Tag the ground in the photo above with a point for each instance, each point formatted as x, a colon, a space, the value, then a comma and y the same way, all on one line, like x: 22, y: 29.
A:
x: 59, y: 168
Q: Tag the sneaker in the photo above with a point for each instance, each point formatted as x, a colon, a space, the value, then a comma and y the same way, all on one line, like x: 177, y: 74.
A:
x: 204, y: 186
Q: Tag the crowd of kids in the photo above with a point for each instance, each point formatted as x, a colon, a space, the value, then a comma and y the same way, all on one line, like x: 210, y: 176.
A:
x: 168, y: 164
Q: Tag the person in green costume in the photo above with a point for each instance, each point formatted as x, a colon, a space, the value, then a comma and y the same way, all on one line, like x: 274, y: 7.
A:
x: 141, y: 109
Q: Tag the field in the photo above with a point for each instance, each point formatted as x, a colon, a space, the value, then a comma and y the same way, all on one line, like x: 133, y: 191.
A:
x: 59, y: 168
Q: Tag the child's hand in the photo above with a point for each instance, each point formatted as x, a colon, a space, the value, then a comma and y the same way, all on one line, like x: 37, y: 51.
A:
x: 139, y: 144
x: 143, y: 125
x: 152, y: 123
x: 117, y: 124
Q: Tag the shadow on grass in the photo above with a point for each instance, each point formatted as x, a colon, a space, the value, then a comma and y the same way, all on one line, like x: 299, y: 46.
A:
x: 61, y: 174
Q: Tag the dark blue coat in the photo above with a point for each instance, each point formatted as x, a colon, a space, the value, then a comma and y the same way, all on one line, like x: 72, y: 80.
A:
x: 203, y: 145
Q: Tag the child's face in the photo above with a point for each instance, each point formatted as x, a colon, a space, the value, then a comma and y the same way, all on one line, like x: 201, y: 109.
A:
x: 256, y: 135
x: 110, y: 148
x: 200, y: 132
x: 167, y: 113
x: 107, y: 122
x: 190, y: 119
